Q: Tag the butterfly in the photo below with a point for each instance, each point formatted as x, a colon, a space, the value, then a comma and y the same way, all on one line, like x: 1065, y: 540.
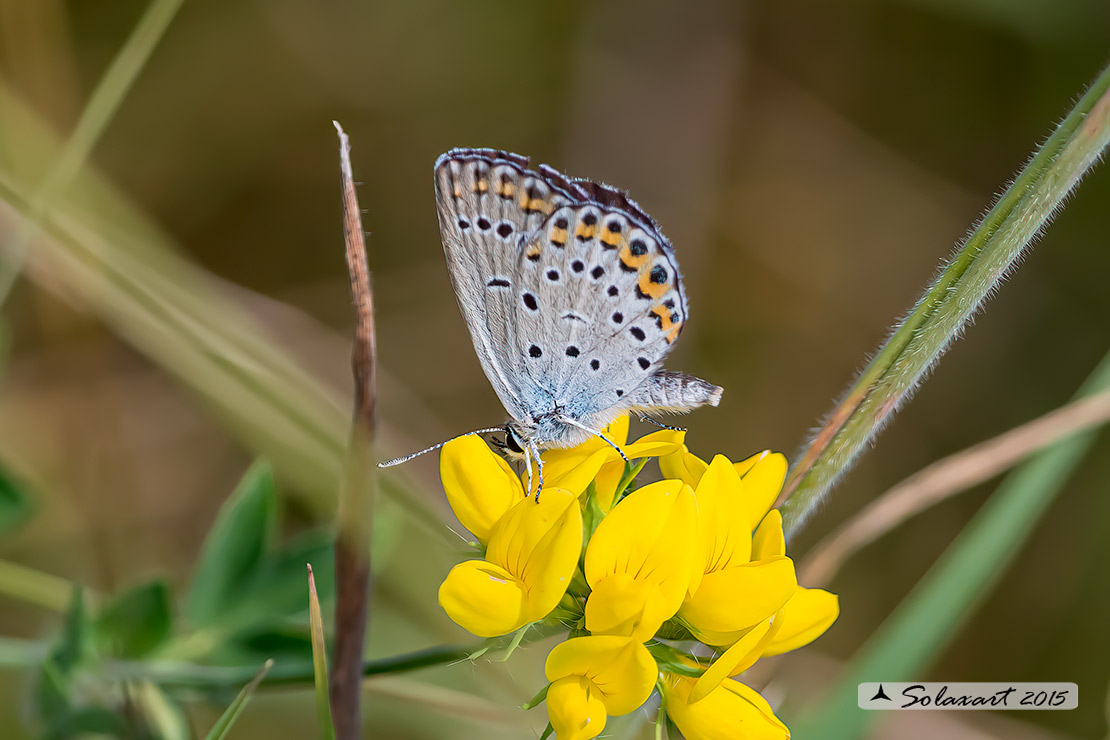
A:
x: 572, y: 296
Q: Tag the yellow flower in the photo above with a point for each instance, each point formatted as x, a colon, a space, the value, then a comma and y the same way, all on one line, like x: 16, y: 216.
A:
x: 639, y: 561
x: 592, y: 677
x: 730, y: 711
x: 763, y: 474
x: 596, y: 460
x: 479, y: 484
x: 738, y: 658
x: 807, y: 615
x: 730, y: 592
x: 533, y: 551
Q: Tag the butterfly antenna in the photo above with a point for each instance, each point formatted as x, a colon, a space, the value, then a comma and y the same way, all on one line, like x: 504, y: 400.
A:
x: 596, y: 433
x: 433, y: 448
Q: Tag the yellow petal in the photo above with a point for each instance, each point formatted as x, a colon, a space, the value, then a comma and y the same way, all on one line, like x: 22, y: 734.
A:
x: 738, y: 658
x: 571, y: 471
x: 606, y: 482
x: 684, y: 466
x: 663, y: 442
x: 620, y: 668
x: 619, y: 604
x: 483, y: 599
x: 729, y: 712
x: 647, y: 536
x: 808, y: 614
x: 616, y: 431
x: 539, y: 544
x: 769, y: 541
x: 575, y: 709
x: 723, y: 518
x: 763, y: 483
x: 741, y: 596
x: 744, y: 466
x: 480, y: 486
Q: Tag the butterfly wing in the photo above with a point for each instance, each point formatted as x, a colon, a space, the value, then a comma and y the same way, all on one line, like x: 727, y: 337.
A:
x: 609, y: 305
x: 488, y: 205
x: 572, y: 295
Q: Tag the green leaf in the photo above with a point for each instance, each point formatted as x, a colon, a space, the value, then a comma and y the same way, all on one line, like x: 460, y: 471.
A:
x: 136, y: 621
x: 88, y: 721
x: 276, y: 592
x: 236, y: 547
x: 73, y: 648
x: 16, y: 503
x: 278, y: 589
x: 231, y: 714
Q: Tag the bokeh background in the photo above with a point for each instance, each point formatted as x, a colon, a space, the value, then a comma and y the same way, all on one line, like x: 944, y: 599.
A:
x: 812, y: 162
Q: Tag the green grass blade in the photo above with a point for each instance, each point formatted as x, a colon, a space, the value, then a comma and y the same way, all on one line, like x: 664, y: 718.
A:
x: 34, y: 587
x: 989, y: 253
x: 97, y: 114
x: 231, y: 714
x: 931, y: 615
x: 319, y: 661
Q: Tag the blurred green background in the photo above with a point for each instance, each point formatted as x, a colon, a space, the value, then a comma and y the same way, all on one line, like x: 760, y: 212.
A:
x: 812, y: 163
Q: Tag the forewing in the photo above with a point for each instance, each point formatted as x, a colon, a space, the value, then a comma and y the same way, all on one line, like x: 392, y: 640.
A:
x: 489, y: 204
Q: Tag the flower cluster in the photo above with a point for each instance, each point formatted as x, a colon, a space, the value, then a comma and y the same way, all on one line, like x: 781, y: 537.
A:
x: 639, y: 578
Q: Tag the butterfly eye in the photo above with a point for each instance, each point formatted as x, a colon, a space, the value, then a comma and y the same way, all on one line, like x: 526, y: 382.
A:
x: 512, y: 441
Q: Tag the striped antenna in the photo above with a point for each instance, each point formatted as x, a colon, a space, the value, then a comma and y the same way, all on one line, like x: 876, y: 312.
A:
x: 433, y: 448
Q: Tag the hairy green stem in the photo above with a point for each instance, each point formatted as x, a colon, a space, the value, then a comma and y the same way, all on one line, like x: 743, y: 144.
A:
x: 916, y: 633
x: 976, y: 269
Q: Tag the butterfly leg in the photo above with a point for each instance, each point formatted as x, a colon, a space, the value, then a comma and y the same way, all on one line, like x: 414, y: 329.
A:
x: 528, y: 467
x: 596, y: 433
x: 659, y: 424
x: 539, y: 469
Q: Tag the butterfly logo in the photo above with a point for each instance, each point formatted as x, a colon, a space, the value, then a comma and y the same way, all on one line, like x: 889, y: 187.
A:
x: 571, y: 294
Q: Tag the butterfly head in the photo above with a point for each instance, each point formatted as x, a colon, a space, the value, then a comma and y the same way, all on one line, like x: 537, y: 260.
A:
x: 514, y: 441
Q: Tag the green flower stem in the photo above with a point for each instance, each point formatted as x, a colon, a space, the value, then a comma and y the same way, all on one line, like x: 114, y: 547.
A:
x: 536, y: 700
x: 673, y: 660
x: 290, y: 672
x: 34, y: 587
x: 97, y: 114
x: 989, y: 253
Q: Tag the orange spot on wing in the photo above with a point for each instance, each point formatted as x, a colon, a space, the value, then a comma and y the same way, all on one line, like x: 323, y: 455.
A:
x: 538, y: 204
x: 636, y: 262
x: 647, y: 287
x: 611, y: 239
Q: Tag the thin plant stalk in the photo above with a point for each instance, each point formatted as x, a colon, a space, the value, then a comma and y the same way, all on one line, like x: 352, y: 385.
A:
x: 976, y: 269
x: 355, y: 517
